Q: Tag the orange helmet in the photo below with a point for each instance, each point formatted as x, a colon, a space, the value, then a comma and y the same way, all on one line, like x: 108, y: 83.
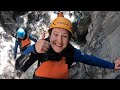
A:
x: 61, y: 22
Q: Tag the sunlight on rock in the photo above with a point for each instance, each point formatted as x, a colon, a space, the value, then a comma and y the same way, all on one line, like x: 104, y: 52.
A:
x: 4, y: 52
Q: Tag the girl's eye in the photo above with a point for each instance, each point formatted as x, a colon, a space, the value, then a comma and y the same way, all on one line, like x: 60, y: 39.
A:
x: 65, y: 36
x: 56, y: 34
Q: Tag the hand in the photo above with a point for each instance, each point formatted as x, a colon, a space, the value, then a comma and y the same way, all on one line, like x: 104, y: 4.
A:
x: 42, y: 45
x: 117, y: 64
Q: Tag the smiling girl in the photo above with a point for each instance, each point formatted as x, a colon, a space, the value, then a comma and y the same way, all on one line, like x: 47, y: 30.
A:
x: 56, y: 54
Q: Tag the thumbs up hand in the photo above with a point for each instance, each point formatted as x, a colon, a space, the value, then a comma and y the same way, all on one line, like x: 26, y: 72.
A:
x: 117, y: 64
x: 42, y: 45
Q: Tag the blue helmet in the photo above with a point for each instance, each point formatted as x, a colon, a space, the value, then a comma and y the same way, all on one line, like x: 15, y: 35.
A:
x: 21, y: 33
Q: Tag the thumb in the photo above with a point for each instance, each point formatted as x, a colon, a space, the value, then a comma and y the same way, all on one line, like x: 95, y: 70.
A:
x: 43, y: 36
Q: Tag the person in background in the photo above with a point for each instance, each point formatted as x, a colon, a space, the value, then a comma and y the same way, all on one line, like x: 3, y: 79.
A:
x: 23, y: 41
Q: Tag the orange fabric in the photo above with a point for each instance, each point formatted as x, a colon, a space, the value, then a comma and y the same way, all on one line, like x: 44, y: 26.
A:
x: 53, y: 69
x: 25, y: 42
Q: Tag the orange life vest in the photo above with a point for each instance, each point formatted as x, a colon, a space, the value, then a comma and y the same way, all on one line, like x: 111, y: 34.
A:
x: 53, y: 69
x: 25, y: 42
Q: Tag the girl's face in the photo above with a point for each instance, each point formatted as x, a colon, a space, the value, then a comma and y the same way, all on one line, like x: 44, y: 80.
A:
x: 59, y: 39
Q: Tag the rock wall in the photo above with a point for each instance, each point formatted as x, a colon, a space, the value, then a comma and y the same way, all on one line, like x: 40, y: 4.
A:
x: 103, y: 41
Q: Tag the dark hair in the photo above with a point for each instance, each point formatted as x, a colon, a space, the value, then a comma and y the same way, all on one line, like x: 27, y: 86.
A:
x: 50, y: 31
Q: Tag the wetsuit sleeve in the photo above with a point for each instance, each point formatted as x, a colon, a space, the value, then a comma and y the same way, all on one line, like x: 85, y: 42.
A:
x: 33, y: 38
x: 29, y: 50
x: 92, y: 60
x: 15, y: 49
